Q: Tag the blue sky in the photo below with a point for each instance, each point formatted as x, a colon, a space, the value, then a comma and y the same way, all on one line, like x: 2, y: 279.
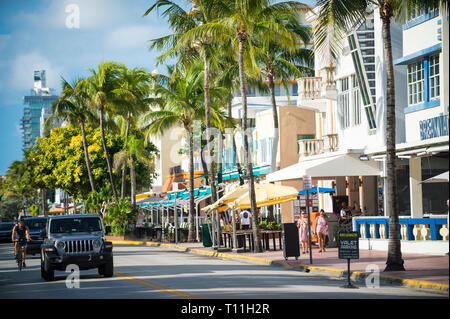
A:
x: 34, y: 35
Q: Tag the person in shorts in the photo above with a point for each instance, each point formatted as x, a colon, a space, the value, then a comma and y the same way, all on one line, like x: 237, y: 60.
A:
x: 20, y: 237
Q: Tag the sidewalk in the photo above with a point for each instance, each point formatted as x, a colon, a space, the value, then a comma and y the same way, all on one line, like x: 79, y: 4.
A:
x: 422, y: 271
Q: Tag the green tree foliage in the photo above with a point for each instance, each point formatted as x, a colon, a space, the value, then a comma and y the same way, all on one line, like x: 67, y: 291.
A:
x: 58, y: 161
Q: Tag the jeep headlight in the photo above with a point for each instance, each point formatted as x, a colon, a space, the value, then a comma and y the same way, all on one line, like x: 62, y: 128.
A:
x: 60, y: 245
x: 97, y: 243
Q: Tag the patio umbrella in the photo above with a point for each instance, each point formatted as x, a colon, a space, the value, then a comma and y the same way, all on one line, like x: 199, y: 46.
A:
x: 227, y: 198
x: 266, y: 195
x: 441, y: 178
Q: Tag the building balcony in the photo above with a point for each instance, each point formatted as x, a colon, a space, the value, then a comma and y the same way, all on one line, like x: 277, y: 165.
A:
x: 310, y: 147
x: 317, y: 88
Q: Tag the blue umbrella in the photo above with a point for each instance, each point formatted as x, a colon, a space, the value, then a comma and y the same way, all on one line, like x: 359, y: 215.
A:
x: 321, y: 190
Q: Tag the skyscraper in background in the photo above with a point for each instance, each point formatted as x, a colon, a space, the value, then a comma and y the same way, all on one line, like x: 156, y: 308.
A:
x: 40, y: 99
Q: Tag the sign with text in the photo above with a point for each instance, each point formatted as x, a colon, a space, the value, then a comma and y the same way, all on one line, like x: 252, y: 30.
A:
x: 348, y: 245
x: 307, y: 182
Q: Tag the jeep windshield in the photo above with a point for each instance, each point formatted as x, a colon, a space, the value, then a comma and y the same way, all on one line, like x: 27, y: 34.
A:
x: 75, y: 225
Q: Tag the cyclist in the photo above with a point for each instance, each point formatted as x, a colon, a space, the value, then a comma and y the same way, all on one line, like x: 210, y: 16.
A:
x: 20, y: 237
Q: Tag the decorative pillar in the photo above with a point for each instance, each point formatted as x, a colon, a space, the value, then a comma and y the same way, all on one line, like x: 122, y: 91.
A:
x: 415, y: 187
x: 353, y: 190
x: 369, y: 204
x: 341, y: 186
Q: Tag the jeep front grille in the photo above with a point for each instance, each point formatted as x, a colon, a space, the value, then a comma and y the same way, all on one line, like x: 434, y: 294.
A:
x: 79, y: 246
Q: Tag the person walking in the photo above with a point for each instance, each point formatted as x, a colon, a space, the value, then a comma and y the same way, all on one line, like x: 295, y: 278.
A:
x: 322, y: 230
x: 303, y: 232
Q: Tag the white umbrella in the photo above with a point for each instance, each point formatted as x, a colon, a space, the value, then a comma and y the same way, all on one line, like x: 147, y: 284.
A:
x: 441, y: 178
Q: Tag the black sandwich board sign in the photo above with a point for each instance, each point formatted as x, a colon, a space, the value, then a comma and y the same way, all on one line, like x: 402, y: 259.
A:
x: 348, y: 249
x: 348, y: 245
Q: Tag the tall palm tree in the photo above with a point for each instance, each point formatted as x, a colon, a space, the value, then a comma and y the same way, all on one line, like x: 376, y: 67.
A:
x: 131, y: 101
x: 72, y: 107
x: 342, y: 15
x: 180, y: 99
x: 100, y: 87
x: 240, y: 22
x: 281, y: 64
x: 181, y: 21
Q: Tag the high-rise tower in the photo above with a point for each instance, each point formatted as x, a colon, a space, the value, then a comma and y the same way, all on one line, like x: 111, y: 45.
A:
x: 40, y: 98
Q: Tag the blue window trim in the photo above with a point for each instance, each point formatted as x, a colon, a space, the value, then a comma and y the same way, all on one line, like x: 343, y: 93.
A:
x: 422, y: 106
x: 421, y: 19
x: 419, y: 55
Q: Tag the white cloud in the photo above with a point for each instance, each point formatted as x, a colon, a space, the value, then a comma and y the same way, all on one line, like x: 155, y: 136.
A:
x: 98, y: 14
x: 23, y: 67
x: 132, y: 37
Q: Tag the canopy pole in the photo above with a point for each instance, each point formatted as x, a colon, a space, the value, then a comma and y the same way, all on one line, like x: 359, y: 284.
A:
x: 196, y: 223
x: 233, y: 218
x: 218, y: 228
x: 175, y: 216
x: 213, y: 232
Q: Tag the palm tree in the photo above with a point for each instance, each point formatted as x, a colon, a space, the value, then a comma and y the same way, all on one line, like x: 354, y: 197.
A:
x: 181, y: 21
x: 241, y: 22
x: 100, y: 87
x: 342, y: 15
x: 131, y: 100
x: 180, y: 99
x: 283, y: 64
x: 72, y: 107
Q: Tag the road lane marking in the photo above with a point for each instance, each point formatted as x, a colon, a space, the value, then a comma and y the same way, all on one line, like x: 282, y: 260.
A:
x: 157, y: 287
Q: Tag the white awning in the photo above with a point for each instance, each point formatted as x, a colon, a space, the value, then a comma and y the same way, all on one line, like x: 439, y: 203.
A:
x: 340, y: 165
x: 441, y: 178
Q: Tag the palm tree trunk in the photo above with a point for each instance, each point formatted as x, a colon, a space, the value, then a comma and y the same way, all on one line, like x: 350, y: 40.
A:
x: 108, y: 162
x: 86, y: 157
x: 394, y: 259
x: 235, y: 157
x: 123, y: 189
x: 44, y: 202
x: 191, y: 234
x: 133, y: 182
x: 248, y: 159
x: 208, y: 129
x: 273, y: 163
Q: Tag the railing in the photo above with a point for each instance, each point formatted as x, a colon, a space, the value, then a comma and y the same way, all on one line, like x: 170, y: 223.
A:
x: 309, y: 88
x: 310, y: 147
x: 410, y: 228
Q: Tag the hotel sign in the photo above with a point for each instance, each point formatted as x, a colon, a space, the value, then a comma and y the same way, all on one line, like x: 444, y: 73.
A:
x: 434, y: 127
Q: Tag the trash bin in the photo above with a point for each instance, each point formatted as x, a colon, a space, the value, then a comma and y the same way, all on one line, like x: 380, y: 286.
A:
x: 206, y: 236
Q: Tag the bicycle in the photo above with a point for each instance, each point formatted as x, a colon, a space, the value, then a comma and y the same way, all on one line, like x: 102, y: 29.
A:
x: 19, y: 256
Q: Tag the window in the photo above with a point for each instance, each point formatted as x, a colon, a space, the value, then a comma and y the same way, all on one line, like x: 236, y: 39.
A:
x: 295, y: 89
x: 343, y: 100
x: 356, y: 101
x: 434, y: 77
x: 415, y: 83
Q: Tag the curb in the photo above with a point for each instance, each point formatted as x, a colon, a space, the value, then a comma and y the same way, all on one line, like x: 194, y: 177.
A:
x: 355, y: 275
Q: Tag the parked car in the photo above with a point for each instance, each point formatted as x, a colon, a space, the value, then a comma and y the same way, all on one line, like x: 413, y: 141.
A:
x: 75, y: 239
x: 35, y: 225
x: 6, y: 231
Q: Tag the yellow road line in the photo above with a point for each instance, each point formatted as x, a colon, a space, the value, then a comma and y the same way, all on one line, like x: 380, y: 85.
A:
x: 160, y: 288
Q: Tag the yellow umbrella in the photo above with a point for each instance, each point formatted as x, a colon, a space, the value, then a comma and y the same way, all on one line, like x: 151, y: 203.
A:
x: 227, y: 198
x: 266, y: 195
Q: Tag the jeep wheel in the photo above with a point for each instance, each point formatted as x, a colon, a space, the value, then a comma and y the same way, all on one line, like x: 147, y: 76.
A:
x: 47, y: 271
x: 107, y: 270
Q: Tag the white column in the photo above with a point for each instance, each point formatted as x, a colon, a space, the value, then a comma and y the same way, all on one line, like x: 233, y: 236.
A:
x: 415, y: 188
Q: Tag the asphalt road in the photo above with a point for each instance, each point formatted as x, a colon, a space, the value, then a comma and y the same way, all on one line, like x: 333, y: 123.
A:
x: 152, y: 272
